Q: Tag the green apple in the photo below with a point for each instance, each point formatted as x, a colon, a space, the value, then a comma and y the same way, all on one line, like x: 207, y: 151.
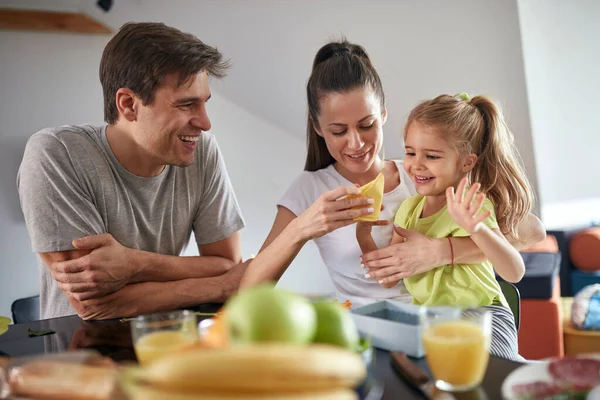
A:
x: 335, y: 325
x: 266, y: 314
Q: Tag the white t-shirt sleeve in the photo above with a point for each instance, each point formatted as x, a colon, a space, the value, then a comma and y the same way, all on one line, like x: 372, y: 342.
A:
x: 301, y: 194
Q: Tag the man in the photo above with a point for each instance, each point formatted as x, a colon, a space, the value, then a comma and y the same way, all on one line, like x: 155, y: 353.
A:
x: 110, y: 208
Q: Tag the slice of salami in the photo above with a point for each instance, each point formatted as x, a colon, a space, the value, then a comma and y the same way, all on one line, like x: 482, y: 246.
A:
x: 578, y: 372
x: 537, y: 390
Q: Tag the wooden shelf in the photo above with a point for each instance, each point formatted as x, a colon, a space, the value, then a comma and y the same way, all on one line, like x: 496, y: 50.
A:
x: 51, y: 21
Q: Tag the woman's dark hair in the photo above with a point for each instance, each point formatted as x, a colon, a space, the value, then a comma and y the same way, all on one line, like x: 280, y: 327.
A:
x: 338, y: 67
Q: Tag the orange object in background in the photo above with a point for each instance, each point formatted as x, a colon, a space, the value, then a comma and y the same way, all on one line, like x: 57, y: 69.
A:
x: 584, y: 250
x: 548, y: 245
x: 541, y: 332
x: 216, y: 335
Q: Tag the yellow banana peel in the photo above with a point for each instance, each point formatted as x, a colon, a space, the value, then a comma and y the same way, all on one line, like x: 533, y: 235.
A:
x: 259, y: 369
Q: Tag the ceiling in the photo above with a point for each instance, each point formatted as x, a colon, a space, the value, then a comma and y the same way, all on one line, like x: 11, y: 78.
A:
x: 421, y: 48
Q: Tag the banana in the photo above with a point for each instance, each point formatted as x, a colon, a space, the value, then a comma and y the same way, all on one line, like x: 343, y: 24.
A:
x: 147, y: 393
x: 259, y: 368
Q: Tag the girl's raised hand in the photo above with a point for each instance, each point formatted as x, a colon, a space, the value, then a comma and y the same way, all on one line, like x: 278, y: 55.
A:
x: 464, y: 208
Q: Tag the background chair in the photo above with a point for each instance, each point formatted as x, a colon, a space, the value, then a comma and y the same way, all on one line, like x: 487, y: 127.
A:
x: 26, y: 309
x: 513, y: 297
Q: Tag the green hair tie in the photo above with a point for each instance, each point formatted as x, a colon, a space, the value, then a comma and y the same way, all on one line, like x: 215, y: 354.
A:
x: 464, y: 96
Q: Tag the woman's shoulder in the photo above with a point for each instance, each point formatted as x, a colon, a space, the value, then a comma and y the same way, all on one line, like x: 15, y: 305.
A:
x: 406, y: 186
x: 325, y: 177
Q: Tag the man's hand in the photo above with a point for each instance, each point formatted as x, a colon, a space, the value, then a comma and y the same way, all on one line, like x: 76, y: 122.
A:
x: 105, y: 307
x: 106, y: 269
x: 232, y: 279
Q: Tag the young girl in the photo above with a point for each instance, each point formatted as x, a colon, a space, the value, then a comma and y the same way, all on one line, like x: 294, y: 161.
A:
x: 451, y: 141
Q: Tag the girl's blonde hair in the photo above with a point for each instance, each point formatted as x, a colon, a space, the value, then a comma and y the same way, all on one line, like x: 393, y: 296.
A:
x: 477, y: 127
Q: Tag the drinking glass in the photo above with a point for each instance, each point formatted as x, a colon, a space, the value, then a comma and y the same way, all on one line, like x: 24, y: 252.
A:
x: 457, y: 346
x: 157, y: 335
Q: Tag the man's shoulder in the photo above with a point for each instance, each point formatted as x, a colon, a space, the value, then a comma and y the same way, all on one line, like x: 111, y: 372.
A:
x: 64, y: 136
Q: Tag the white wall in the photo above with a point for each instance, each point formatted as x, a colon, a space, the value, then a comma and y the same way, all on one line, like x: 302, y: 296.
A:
x: 52, y: 79
x: 262, y: 159
x: 561, y: 45
x: 420, y: 47
x: 45, y: 80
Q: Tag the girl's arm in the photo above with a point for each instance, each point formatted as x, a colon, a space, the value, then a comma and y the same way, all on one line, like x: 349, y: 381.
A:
x: 464, y: 209
x: 507, y: 261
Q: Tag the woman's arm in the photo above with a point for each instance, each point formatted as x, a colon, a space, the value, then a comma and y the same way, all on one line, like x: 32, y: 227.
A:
x: 277, y: 252
x: 290, y: 232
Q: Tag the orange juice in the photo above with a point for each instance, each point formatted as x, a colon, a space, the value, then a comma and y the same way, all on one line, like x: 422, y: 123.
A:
x: 156, y: 345
x: 457, y: 352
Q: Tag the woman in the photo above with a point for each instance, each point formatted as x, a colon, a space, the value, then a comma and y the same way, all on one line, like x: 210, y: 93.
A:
x: 346, y: 115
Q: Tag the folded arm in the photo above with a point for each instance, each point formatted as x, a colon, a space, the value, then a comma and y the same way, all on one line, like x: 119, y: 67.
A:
x: 145, y: 297
x: 101, y: 265
x: 150, y: 297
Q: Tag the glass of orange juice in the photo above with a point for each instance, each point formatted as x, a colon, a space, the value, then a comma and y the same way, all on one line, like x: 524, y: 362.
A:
x: 457, y: 346
x: 157, y: 335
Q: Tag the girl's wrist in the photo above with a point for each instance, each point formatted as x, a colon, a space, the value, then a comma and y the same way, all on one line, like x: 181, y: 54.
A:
x: 444, y: 250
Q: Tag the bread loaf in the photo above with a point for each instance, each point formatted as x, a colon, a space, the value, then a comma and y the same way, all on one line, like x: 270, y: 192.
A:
x: 62, y: 380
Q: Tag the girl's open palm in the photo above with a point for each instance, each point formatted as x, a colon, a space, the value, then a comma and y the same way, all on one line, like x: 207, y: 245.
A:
x: 464, y: 208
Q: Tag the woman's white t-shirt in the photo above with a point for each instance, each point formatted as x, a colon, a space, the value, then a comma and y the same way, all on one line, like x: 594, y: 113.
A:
x: 339, y: 249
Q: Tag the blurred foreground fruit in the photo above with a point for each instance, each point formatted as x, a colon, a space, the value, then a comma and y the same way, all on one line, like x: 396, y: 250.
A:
x: 266, y: 314
x: 258, y: 368
x: 149, y: 393
x: 335, y: 325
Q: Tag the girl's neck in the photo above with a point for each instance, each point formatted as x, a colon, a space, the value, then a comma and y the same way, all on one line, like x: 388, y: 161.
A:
x: 433, y: 204
x: 436, y: 202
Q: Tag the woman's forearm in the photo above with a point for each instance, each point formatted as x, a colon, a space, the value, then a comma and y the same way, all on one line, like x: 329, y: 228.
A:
x: 273, y: 260
x: 462, y: 250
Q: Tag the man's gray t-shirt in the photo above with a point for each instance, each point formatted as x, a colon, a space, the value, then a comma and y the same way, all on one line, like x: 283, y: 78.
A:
x: 71, y: 185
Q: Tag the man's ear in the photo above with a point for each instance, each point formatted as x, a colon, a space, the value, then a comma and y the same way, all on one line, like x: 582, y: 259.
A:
x: 469, y: 162
x: 383, y: 116
x: 126, y: 104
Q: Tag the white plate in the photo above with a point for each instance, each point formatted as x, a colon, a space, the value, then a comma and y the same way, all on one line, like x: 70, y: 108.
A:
x: 531, y: 372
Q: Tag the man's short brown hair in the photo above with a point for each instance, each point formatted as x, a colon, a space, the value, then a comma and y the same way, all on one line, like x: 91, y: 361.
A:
x: 141, y: 55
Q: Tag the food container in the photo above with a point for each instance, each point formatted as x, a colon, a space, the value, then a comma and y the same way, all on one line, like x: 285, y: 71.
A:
x: 391, y: 325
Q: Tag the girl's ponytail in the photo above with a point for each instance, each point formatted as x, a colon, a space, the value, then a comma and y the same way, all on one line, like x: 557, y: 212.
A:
x: 498, y: 167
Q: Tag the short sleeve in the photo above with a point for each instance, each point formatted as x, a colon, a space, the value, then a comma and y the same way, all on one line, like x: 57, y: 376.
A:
x: 57, y: 207
x: 219, y: 215
x: 403, y: 214
x: 301, y: 194
x: 490, y: 222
